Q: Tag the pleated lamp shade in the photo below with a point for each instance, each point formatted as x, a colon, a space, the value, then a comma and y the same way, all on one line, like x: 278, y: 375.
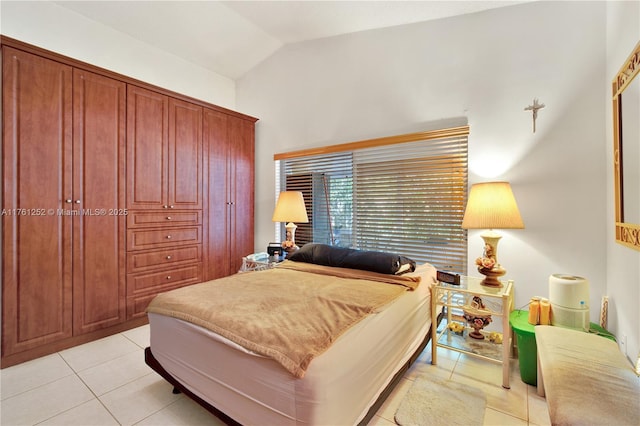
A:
x: 290, y: 208
x: 491, y: 205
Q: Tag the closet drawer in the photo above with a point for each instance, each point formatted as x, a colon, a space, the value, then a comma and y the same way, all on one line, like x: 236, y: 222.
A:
x: 148, y: 219
x: 167, y: 279
x: 139, y: 261
x: 141, y: 239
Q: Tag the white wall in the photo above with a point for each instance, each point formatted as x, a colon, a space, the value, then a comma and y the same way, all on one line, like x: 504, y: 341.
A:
x: 55, y: 28
x: 484, y: 68
x: 623, y: 264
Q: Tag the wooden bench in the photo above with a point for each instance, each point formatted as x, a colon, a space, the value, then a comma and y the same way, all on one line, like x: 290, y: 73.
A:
x: 585, y: 379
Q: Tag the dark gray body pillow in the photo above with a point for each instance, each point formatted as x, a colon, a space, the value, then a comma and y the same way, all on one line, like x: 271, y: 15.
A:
x: 341, y: 257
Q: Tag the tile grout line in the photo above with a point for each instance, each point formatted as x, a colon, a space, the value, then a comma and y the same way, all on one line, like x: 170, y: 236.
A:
x: 131, y: 340
x: 90, y: 390
x: 42, y: 384
x: 497, y: 409
x: 160, y: 409
x: 95, y: 397
x: 75, y: 372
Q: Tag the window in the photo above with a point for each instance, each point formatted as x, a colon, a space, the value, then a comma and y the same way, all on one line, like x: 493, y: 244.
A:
x: 403, y: 194
x: 326, y: 182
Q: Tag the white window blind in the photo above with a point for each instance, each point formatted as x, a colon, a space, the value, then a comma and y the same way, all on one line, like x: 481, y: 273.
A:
x: 405, y: 197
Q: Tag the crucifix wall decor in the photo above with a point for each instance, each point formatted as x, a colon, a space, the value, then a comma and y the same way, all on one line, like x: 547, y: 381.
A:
x: 535, y: 107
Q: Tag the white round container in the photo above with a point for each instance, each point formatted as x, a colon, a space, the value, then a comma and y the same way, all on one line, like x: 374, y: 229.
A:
x: 569, y: 298
x: 569, y: 291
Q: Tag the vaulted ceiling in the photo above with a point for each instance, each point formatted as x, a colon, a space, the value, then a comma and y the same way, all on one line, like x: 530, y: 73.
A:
x: 231, y: 37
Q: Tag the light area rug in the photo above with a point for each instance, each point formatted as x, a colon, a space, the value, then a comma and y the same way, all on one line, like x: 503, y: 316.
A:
x: 432, y: 401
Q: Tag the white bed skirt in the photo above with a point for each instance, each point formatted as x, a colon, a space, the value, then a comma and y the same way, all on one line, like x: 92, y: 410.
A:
x: 339, y: 387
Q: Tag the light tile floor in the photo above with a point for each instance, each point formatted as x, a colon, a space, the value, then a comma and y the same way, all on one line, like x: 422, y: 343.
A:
x: 106, y: 382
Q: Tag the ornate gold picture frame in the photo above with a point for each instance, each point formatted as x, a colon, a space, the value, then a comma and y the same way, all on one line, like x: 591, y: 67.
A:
x: 626, y: 149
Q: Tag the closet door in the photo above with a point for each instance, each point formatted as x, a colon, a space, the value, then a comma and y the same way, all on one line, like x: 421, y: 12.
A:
x: 98, y: 197
x: 37, y: 152
x: 219, y: 204
x: 230, y: 141
x: 242, y: 173
x: 147, y: 149
x: 185, y: 155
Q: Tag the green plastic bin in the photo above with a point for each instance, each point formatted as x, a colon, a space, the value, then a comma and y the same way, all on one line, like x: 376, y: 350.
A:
x: 527, y: 349
x: 595, y: 328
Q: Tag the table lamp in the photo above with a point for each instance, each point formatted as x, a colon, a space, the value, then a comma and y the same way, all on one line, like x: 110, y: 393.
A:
x: 491, y: 205
x: 290, y: 208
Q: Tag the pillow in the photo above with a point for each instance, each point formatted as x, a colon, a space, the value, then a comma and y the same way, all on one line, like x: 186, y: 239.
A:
x: 341, y: 257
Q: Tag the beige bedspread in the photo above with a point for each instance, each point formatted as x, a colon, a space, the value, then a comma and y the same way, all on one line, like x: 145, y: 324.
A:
x: 291, y: 313
x: 586, y: 378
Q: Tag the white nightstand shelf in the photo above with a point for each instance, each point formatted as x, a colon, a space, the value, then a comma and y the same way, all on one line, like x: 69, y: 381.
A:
x: 498, y: 302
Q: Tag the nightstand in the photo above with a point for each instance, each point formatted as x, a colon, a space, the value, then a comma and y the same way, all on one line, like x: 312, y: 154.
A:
x: 255, y: 265
x: 497, y: 302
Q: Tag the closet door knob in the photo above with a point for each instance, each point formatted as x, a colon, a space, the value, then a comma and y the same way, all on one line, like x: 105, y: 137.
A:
x: 170, y: 207
x: 168, y: 217
x: 67, y: 201
x: 168, y: 257
x: 77, y: 201
x: 165, y: 207
x: 168, y: 277
x: 168, y: 237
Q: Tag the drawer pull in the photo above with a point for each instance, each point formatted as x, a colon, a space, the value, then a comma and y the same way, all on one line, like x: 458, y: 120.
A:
x: 168, y: 257
x: 168, y: 237
x: 168, y: 277
x: 168, y: 217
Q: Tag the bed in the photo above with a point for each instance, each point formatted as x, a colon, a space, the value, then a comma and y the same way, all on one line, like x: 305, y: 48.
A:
x: 341, y: 382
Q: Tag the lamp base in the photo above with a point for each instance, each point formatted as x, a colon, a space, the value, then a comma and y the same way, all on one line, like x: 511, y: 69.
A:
x: 291, y: 249
x: 488, y: 264
x: 492, y: 275
x: 289, y: 245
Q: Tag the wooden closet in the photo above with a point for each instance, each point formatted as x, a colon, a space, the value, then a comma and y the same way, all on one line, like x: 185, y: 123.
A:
x: 164, y: 235
x: 108, y: 198
x: 230, y: 142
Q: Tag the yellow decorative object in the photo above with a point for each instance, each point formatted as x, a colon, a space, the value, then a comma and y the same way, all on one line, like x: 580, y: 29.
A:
x: 495, y: 337
x: 534, y: 311
x: 545, y: 312
x: 456, y: 327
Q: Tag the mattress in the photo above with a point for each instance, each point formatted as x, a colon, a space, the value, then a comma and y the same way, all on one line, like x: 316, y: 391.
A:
x: 338, y: 388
